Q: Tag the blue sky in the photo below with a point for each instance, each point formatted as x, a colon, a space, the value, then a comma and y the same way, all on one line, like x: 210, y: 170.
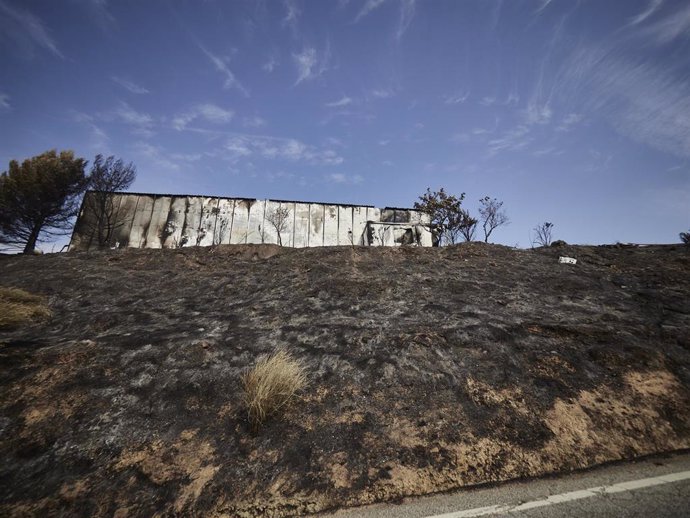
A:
x: 574, y: 112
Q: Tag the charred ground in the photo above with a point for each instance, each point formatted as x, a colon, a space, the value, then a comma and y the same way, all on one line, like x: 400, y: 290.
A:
x: 429, y: 369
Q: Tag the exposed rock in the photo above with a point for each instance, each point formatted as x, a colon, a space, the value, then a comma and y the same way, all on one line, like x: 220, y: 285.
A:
x: 429, y: 369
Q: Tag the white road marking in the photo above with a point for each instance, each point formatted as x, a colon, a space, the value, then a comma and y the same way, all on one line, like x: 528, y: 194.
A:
x: 568, y: 497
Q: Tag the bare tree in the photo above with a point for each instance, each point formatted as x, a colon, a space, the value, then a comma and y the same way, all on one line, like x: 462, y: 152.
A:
x: 468, y: 226
x: 492, y: 215
x: 102, y: 215
x: 685, y: 237
x: 543, y: 234
x: 279, y: 218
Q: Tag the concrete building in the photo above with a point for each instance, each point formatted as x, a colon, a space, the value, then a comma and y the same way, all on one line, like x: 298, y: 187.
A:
x: 171, y: 221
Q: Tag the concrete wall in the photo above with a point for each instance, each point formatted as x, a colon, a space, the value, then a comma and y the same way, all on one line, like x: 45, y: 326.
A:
x: 168, y: 221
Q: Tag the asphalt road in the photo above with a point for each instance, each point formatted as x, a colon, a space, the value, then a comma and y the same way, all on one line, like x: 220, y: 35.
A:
x: 651, y: 487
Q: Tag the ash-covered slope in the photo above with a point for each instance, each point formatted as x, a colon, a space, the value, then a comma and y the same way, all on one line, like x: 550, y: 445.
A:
x: 429, y: 369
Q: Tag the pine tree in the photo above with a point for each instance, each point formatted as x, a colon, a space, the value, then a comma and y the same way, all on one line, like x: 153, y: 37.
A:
x: 39, y: 198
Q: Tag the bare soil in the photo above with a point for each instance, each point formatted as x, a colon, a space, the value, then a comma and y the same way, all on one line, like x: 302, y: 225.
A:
x: 429, y: 369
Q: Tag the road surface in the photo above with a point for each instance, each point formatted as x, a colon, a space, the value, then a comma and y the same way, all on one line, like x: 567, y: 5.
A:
x: 652, y: 487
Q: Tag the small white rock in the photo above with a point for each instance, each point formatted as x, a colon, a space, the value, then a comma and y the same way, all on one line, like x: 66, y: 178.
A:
x: 567, y: 260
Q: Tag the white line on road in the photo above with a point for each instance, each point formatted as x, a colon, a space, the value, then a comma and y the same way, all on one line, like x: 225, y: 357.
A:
x: 568, y: 497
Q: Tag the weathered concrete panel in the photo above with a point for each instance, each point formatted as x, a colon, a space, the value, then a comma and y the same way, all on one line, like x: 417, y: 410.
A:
x: 174, y: 224
x: 359, y: 224
x: 289, y: 235
x: 142, y: 219
x: 270, y: 235
x: 256, y: 222
x: 240, y: 215
x: 330, y: 225
x: 416, y: 217
x: 192, y: 220
x: 85, y: 226
x: 271, y: 227
x: 379, y: 234
x: 128, y: 206
x: 345, y: 236
x: 221, y: 234
x: 373, y: 214
x: 316, y: 220
x: 207, y: 225
x: 301, y: 230
x: 155, y: 221
x: 159, y: 218
x: 398, y: 234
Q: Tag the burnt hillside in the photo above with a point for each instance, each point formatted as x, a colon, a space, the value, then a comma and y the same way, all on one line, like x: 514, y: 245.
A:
x: 429, y: 369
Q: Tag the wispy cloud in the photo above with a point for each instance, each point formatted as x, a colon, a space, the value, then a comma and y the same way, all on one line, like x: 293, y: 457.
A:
x: 343, y: 101
x: 342, y: 178
x: 645, y: 101
x: 407, y: 12
x: 536, y: 113
x: 253, y: 122
x: 130, y: 86
x: 27, y: 30
x: 292, y: 14
x: 547, y: 151
x: 458, y: 98
x: 129, y: 115
x: 240, y: 145
x: 311, y: 64
x: 369, y: 6
x: 99, y: 139
x: 652, y: 8
x: 221, y: 65
x: 141, y: 123
x: 515, y: 139
x: 544, y: 5
x: 487, y: 101
x: 186, y: 157
x: 157, y: 156
x: 382, y: 93
x: 569, y: 121
x: 4, y: 102
x: 672, y: 27
x: 333, y: 141
x: 513, y: 98
x: 270, y: 64
x: 99, y: 12
x: 208, y: 112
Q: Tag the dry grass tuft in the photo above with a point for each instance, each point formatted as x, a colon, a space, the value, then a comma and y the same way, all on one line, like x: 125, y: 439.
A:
x: 18, y: 307
x: 270, y: 385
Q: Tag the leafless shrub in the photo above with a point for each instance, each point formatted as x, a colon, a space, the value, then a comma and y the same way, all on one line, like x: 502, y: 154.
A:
x: 543, y: 234
x: 271, y: 384
x: 103, y: 214
x: 18, y: 307
x: 492, y: 215
x: 279, y: 219
x: 467, y: 226
x: 685, y: 237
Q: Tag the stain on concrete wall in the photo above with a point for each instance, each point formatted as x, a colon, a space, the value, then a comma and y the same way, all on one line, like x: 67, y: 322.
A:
x: 170, y: 221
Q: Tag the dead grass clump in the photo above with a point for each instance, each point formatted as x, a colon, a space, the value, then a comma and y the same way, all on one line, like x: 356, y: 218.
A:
x: 270, y: 385
x: 18, y: 307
